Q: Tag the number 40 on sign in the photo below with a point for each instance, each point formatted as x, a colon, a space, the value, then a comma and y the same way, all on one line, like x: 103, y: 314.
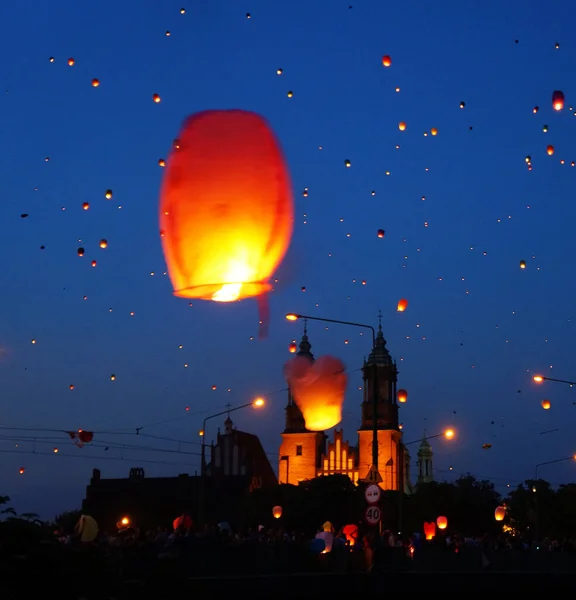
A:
x: 372, y: 515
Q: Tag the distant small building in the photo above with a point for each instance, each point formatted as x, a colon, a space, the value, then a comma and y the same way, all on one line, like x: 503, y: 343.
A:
x: 238, y: 464
x: 425, y: 464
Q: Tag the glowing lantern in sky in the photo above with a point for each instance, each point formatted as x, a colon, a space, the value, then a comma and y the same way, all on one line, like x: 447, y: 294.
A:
x: 380, y: 233
x: 95, y: 83
x: 156, y: 98
x: 21, y: 470
x: 386, y: 60
x: 402, y: 396
x: 226, y: 208
x: 557, y: 100
x: 522, y: 264
x: 402, y: 126
x: 292, y: 347
x: 500, y: 513
x: 434, y: 131
x: 318, y: 388
x: 402, y: 305
x: 546, y: 404
x: 442, y: 522
x: 277, y: 512
x: 429, y: 530
x: 550, y: 150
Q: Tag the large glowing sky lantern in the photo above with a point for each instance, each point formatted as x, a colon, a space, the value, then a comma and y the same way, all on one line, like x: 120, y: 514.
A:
x: 318, y: 388
x: 226, y: 208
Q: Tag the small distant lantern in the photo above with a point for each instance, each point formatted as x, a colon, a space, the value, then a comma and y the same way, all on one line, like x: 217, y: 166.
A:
x: 123, y: 523
x: 292, y: 347
x: 558, y: 100
x: 500, y: 513
x: 429, y: 530
x: 277, y: 512
x: 522, y: 264
x: 442, y: 522
x: 402, y: 396
x: 546, y: 404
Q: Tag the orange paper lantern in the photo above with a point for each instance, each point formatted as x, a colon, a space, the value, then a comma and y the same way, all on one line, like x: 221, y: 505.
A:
x: 500, y: 513
x: 429, y: 530
x: 546, y: 404
x: 402, y: 305
x: 558, y: 100
x: 226, y: 207
x: 351, y: 533
x: 402, y: 396
x: 386, y: 60
x: 442, y: 522
x: 277, y: 512
x: 318, y: 389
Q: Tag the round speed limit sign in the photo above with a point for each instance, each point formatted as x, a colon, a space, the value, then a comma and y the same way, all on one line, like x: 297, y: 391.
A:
x: 372, y: 515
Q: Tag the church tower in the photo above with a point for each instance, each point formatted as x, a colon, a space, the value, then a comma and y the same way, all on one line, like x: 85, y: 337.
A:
x: 301, y: 450
x: 425, y: 467
x: 380, y: 376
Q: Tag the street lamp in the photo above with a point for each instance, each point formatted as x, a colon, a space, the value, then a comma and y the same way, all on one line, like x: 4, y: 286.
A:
x: 447, y: 433
x: 535, y: 489
x: 296, y: 316
x: 542, y: 378
x: 256, y: 403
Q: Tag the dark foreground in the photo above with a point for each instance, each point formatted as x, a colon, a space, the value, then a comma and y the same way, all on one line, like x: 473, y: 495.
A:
x: 319, y: 585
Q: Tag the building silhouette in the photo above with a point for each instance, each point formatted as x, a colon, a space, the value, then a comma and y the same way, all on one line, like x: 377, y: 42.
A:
x: 308, y: 454
x: 237, y: 465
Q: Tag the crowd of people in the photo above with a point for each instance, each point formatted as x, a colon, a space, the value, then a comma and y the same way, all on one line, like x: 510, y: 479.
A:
x: 183, y: 550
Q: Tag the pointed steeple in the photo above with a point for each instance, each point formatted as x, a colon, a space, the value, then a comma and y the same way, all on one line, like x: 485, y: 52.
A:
x: 305, y: 346
x: 294, y: 417
x: 383, y: 357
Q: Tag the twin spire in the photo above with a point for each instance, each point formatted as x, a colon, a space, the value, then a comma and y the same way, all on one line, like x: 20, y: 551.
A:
x: 383, y: 357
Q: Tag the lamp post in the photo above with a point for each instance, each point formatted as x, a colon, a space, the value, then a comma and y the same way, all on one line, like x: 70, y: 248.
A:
x: 535, y: 488
x: 449, y: 435
x: 295, y: 317
x: 257, y: 403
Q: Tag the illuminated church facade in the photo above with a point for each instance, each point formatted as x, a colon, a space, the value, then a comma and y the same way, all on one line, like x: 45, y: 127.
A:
x: 308, y: 454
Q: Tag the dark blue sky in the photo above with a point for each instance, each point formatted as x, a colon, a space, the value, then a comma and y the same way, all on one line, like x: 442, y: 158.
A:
x: 477, y: 326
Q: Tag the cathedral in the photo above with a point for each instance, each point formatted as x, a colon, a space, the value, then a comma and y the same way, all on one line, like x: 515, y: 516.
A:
x: 308, y: 454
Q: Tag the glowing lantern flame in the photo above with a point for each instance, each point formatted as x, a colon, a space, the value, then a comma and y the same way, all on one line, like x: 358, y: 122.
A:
x: 558, y: 100
x: 429, y: 530
x: 292, y: 347
x: 402, y: 126
x: 318, y: 389
x: 277, y: 512
x: 500, y: 513
x: 226, y: 207
x: 546, y: 404
x: 351, y: 533
x: 442, y: 522
x: 386, y: 60
x: 402, y: 396
x: 522, y: 264
x: 550, y: 150
x: 402, y: 305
